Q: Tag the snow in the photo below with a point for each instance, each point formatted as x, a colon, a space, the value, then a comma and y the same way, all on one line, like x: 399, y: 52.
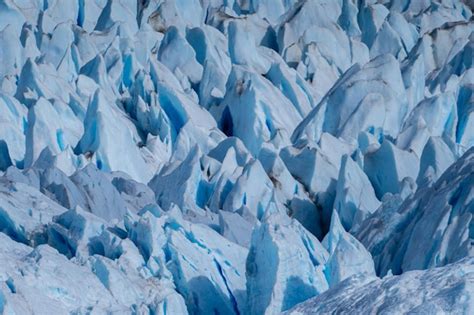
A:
x: 236, y: 156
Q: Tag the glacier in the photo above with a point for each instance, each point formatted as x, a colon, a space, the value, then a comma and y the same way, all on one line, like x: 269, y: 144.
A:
x: 236, y: 157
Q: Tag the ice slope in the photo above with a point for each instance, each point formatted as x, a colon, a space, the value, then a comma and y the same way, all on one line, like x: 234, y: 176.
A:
x: 444, y: 290
x: 236, y: 156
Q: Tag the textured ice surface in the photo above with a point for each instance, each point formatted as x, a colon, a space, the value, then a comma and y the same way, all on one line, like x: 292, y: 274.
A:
x: 431, y: 228
x: 236, y: 156
x: 445, y: 290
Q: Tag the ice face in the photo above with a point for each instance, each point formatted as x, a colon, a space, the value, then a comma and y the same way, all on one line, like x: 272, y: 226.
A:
x: 347, y: 256
x: 355, y: 198
x: 236, y: 156
x: 285, y: 265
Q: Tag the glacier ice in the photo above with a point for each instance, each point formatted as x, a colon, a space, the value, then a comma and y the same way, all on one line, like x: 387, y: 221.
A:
x: 436, y: 291
x: 285, y: 265
x: 388, y: 166
x: 236, y: 156
x: 430, y: 228
x: 355, y: 198
x: 347, y: 256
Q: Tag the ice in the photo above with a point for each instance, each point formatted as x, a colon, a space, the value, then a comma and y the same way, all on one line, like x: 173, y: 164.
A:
x: 96, y: 70
x: 465, y: 110
x: 179, y: 104
x: 71, y: 232
x: 304, y: 162
x: 434, y: 48
x: 136, y: 195
x: 210, y: 46
x: 30, y: 86
x: 208, y: 270
x: 284, y: 267
x: 236, y: 156
x: 17, y: 217
x: 10, y: 16
x: 13, y: 174
x: 365, y: 98
x: 236, y: 228
x: 397, y: 164
x: 89, y: 12
x: 385, y: 79
x: 179, y: 13
x: 308, y: 214
x: 371, y: 20
x: 348, y: 18
x: 106, y: 202
x: 414, y: 136
x: 14, y: 121
x: 355, y: 198
x: 386, y: 41
x: 368, y: 142
x: 286, y: 186
x: 430, y: 229
x: 197, y: 257
x: 59, y: 187
x: 178, y: 55
x: 439, y: 113
x: 10, y: 58
x: 44, y: 130
x: 179, y: 185
x: 49, y: 282
x: 407, y: 32
x: 56, y: 49
x: 104, y: 125
x: 448, y: 212
x: 437, y: 156
x: 122, y: 12
x: 256, y: 111
x: 242, y: 156
x: 413, y: 70
x: 396, y: 36
x: 292, y: 86
x: 305, y: 15
x: 324, y: 51
x: 439, y: 290
x: 347, y: 256
x: 242, y: 47
x: 253, y: 189
x: 272, y: 10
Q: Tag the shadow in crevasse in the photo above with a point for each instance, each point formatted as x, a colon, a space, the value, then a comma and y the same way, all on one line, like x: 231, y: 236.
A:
x: 5, y: 160
x: 296, y: 291
x: 204, y: 297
